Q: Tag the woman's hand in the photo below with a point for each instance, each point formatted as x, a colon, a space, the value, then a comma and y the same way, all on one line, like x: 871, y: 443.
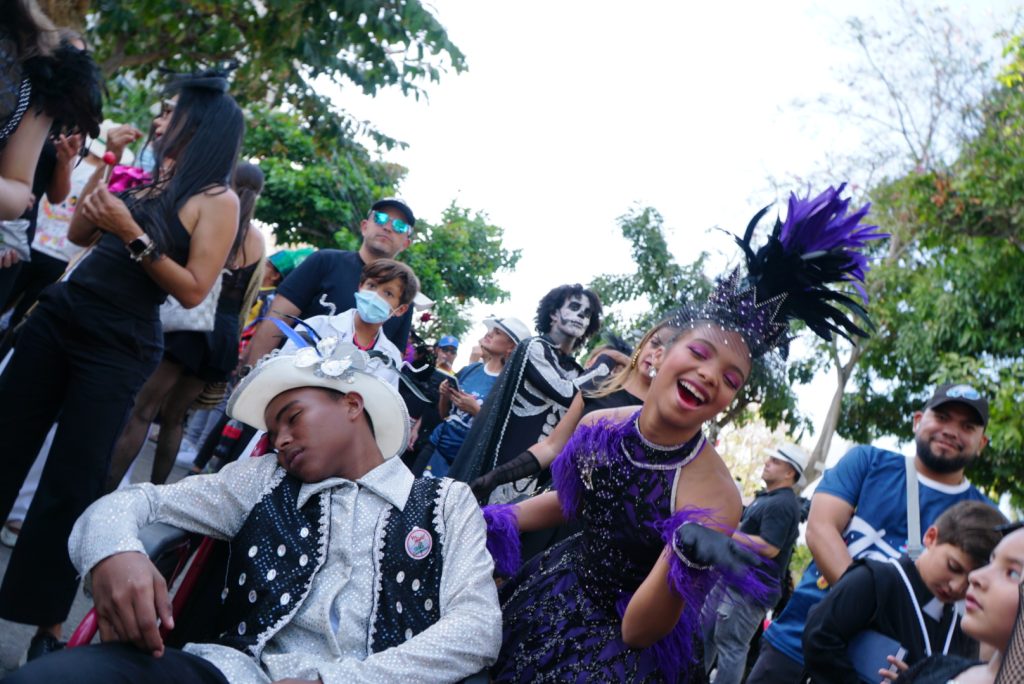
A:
x: 120, y: 137
x: 109, y: 213
x: 67, y: 148
x: 465, y: 402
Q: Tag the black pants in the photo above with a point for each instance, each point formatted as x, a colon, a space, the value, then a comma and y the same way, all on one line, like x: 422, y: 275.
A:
x: 33, y: 278
x: 8, y: 283
x: 775, y: 667
x: 116, y: 664
x: 78, y: 362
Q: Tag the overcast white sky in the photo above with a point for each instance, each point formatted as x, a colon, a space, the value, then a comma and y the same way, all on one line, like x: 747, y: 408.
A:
x: 573, y: 111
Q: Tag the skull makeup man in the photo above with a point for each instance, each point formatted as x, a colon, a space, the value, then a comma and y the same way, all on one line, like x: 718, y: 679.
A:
x: 534, y: 390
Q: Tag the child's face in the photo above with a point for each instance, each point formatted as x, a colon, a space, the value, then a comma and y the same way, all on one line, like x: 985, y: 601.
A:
x: 993, y: 597
x: 391, y: 291
x: 944, y: 569
x: 699, y: 376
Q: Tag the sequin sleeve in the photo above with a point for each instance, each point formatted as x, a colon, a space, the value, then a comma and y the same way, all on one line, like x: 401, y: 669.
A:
x: 214, y: 505
x: 467, y: 637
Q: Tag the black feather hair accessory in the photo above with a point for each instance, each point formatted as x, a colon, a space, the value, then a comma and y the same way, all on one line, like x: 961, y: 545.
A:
x: 792, y: 276
x: 215, y: 79
x: 617, y: 343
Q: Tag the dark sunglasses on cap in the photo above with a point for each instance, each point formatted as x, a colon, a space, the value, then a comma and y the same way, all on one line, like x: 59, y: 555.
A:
x: 398, y: 225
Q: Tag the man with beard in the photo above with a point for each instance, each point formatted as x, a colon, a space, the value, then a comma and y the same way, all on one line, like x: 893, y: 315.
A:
x: 860, y: 511
x: 534, y: 390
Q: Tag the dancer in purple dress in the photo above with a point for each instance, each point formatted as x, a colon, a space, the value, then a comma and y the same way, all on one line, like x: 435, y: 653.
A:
x: 621, y: 600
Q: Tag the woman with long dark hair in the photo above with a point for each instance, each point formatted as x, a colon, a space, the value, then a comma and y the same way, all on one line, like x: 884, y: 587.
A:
x: 193, y: 359
x: 94, y: 338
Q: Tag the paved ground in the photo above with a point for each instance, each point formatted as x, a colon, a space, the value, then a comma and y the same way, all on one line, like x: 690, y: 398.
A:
x: 14, y: 638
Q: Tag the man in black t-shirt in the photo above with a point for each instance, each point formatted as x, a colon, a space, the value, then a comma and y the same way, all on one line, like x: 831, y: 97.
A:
x: 769, y: 525
x: 327, y: 281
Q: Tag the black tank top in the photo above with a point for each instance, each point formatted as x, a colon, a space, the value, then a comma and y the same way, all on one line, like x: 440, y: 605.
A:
x: 109, y: 272
x: 616, y: 399
x: 232, y: 288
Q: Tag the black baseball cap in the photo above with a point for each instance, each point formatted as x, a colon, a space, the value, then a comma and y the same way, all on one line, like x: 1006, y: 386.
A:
x: 963, y: 394
x: 398, y: 204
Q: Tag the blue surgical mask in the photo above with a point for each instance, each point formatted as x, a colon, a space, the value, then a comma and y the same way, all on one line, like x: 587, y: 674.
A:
x: 371, y: 307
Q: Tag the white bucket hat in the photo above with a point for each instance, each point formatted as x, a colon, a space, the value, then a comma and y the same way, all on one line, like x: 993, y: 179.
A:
x: 334, y: 365
x: 513, y: 327
x: 794, y: 456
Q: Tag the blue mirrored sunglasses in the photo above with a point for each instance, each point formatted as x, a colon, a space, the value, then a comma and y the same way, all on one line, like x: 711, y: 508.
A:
x: 963, y: 392
x: 398, y: 225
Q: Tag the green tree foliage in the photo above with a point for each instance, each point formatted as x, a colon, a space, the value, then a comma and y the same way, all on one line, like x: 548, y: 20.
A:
x: 310, y: 195
x: 287, y: 50
x: 951, y: 308
x: 457, y: 262
x: 914, y: 98
x: 658, y: 278
x: 664, y: 284
x: 320, y: 178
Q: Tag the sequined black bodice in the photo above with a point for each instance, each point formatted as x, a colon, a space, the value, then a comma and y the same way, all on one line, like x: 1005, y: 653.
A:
x: 621, y: 545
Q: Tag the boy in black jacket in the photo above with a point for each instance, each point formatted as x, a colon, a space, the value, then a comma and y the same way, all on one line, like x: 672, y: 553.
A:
x: 875, y: 595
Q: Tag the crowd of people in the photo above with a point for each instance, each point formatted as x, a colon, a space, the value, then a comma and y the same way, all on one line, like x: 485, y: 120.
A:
x: 538, y: 515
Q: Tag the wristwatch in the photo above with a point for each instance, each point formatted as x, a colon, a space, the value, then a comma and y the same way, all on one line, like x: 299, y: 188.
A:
x: 142, y: 247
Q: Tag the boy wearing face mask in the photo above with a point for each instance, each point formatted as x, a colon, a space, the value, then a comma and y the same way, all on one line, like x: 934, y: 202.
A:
x: 386, y: 289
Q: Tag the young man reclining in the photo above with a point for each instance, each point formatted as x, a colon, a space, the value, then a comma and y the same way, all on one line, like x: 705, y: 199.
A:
x: 343, y: 568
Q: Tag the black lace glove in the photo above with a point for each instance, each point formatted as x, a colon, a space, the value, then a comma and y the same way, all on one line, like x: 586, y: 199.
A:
x: 523, y: 465
x: 702, y: 548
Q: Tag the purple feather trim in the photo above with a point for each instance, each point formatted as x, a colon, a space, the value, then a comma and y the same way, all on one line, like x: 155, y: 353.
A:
x: 588, y: 446
x: 754, y: 583
x: 503, y: 538
x: 818, y: 225
x: 674, y: 651
x: 567, y: 482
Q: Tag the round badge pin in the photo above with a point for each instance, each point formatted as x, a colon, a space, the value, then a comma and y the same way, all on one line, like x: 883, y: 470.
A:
x: 418, y: 543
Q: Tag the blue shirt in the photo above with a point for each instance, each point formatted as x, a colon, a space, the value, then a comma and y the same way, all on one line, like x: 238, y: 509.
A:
x: 874, y: 482
x: 448, y: 437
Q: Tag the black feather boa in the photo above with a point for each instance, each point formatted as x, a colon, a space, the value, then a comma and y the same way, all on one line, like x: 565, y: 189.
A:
x: 68, y: 86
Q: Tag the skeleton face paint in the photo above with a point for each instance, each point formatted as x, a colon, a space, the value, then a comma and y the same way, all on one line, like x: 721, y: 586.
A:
x: 572, y: 319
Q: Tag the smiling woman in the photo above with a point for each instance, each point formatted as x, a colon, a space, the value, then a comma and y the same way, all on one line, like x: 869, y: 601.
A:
x: 621, y: 600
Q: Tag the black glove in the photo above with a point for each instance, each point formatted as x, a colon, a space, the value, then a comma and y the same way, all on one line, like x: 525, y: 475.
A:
x: 523, y: 465
x: 702, y: 548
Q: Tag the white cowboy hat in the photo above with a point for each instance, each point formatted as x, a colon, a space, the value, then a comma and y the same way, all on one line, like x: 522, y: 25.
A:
x: 334, y: 365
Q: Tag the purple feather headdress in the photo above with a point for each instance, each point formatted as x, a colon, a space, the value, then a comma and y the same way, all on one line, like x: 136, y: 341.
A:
x: 788, y: 278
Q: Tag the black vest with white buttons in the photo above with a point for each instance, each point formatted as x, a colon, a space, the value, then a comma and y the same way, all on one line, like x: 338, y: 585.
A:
x: 410, y: 564
x: 279, y: 549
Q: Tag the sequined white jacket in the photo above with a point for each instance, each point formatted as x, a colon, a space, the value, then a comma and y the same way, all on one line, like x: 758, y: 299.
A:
x: 328, y: 638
